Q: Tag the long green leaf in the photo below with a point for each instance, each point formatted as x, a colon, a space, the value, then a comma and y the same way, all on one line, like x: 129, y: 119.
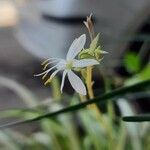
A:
x: 139, y: 118
x: 99, y: 99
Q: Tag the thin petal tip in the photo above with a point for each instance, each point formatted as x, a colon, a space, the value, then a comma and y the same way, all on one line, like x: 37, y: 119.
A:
x: 83, y: 93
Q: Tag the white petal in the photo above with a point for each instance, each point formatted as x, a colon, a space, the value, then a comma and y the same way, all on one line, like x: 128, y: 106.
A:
x: 61, y: 65
x: 84, y: 63
x: 76, y: 83
x: 63, y: 80
x: 76, y: 47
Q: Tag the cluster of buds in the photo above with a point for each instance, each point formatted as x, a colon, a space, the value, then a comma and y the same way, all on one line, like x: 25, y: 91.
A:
x: 94, y: 51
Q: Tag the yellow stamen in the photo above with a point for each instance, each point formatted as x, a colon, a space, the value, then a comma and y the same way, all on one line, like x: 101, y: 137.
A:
x: 48, y: 81
x: 45, y: 66
x: 43, y: 63
x: 44, y: 76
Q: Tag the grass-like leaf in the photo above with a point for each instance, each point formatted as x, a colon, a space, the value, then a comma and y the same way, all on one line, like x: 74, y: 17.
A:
x: 99, y: 99
x: 139, y: 118
x: 26, y: 96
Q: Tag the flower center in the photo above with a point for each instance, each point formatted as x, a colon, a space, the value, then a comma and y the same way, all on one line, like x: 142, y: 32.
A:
x: 69, y: 64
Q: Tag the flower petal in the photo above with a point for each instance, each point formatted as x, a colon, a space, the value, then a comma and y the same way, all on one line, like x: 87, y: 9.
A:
x: 76, y: 47
x: 76, y: 83
x: 63, y: 80
x: 61, y: 64
x: 84, y: 63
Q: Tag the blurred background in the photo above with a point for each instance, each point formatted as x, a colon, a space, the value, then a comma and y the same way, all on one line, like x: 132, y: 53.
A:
x: 34, y: 30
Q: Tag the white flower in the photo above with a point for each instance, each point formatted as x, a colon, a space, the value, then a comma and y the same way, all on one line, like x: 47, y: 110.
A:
x: 68, y: 65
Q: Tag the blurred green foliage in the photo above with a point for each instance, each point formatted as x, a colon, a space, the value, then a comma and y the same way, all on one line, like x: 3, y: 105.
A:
x: 132, y: 62
x: 81, y: 131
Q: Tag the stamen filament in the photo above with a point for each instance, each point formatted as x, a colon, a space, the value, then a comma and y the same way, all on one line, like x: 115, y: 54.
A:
x: 44, y: 76
x: 49, y: 60
x: 49, y: 64
x: 51, y: 77
x: 45, y: 72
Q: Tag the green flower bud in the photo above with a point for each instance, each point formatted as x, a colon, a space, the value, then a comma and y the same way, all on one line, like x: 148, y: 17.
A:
x: 94, y: 52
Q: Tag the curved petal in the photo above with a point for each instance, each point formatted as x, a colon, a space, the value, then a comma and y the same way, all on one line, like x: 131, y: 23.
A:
x: 63, y: 80
x: 84, y: 63
x: 76, y: 83
x: 76, y: 47
x: 52, y: 76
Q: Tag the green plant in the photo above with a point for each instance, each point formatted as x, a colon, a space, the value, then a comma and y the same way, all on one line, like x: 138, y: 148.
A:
x: 94, y: 123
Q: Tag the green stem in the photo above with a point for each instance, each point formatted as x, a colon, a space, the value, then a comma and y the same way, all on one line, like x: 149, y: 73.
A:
x: 56, y: 89
x: 89, y: 82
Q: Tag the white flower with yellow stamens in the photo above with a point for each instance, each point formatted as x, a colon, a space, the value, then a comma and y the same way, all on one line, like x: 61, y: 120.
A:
x: 68, y: 65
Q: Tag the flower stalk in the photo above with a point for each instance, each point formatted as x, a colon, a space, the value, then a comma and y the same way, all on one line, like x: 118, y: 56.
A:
x: 95, y: 52
x: 89, y: 25
x: 89, y: 82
